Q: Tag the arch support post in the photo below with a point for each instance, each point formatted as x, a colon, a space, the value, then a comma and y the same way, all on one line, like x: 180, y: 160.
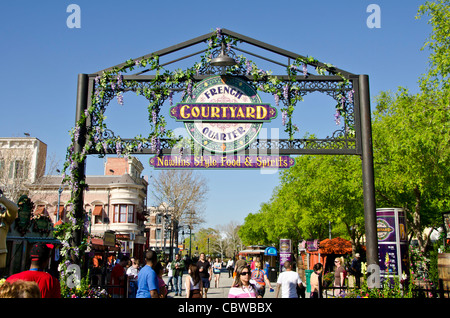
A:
x: 80, y: 166
x: 370, y: 216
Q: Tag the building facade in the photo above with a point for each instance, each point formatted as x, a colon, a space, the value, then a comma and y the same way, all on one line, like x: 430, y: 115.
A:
x: 22, y: 162
x: 116, y: 202
x: 162, y: 231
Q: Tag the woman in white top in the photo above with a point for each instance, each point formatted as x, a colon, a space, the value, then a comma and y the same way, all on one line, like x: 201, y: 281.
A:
x: 193, y: 283
x: 132, y: 273
x: 170, y: 275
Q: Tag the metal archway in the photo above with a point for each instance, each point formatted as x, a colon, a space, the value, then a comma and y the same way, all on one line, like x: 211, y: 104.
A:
x: 359, y: 144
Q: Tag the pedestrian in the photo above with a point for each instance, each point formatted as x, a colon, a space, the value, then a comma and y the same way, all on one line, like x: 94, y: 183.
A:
x: 193, y: 283
x: 288, y: 282
x: 177, y: 272
x: 20, y: 289
x: 170, y: 276
x: 148, y: 284
x: 316, y: 281
x: 355, y: 269
x: 205, y: 270
x: 40, y: 256
x: 132, y: 273
x: 242, y: 287
x: 119, y: 278
x: 339, y: 273
x: 230, y: 267
x: 260, y: 277
x: 239, y: 263
x: 217, y: 268
x: 7, y: 217
x: 159, y: 270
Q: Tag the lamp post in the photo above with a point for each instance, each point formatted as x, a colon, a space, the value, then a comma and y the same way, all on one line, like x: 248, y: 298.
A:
x: 60, y: 190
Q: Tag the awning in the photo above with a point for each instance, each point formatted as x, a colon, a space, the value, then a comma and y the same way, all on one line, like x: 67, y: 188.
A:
x: 98, y: 210
x: 270, y: 251
x: 39, y: 210
x: 61, y: 210
x: 251, y: 252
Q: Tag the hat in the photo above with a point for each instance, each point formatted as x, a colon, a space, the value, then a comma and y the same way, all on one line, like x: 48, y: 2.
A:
x: 40, y: 251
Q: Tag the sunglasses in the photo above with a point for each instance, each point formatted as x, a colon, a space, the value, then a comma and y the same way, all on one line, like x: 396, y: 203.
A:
x: 244, y: 273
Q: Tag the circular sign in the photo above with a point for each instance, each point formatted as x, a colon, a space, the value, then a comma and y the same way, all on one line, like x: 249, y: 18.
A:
x: 226, y: 136
x: 383, y: 229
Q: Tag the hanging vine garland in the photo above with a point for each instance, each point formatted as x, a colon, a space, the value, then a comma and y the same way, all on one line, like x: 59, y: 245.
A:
x: 111, y: 85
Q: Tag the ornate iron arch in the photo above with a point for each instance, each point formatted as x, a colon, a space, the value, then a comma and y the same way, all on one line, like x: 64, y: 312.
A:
x: 353, y: 139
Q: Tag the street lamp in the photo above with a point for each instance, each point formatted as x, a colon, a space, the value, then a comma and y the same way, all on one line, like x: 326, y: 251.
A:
x: 60, y: 190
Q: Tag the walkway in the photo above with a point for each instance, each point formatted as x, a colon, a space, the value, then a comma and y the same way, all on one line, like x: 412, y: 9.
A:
x: 220, y: 292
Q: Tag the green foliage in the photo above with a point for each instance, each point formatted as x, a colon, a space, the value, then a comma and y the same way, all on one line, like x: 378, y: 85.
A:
x: 438, y: 75
x: 314, y: 192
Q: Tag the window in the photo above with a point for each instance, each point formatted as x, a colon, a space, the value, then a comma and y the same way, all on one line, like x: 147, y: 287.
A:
x: 123, y: 213
x: 158, y: 234
x: 18, y: 169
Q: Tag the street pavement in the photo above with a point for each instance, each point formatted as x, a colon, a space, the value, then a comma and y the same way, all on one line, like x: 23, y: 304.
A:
x: 225, y: 283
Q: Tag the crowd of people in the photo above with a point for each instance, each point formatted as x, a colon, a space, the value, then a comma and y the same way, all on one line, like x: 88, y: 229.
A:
x: 146, y: 281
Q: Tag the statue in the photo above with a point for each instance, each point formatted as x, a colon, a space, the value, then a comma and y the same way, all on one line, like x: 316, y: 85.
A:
x: 7, y: 217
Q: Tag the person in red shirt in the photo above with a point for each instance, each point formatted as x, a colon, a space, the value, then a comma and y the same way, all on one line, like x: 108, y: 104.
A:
x: 48, y: 285
x: 118, y: 277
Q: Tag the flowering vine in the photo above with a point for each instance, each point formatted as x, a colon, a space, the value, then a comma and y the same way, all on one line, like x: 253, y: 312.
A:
x: 111, y: 84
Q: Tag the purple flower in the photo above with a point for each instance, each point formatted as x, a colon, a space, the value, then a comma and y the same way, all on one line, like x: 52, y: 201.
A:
x: 119, y: 80
x: 120, y: 98
x: 119, y: 148
x: 337, y: 118
x: 219, y: 32
x: 76, y: 133
x: 350, y: 96
x: 171, y: 98
x: 189, y: 89
x: 249, y: 67
x: 158, y: 146
x: 153, y: 143
x: 154, y: 117
x: 277, y: 99
x: 305, y: 70
x: 286, y: 92
x: 283, y: 117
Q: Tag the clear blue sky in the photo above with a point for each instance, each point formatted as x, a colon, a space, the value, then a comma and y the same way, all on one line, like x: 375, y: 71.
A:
x: 41, y: 58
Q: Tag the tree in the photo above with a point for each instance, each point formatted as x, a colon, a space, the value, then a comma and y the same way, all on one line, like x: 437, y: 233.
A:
x: 412, y: 134
x: 230, y: 236
x: 183, y: 191
x: 316, y: 191
x: 438, y: 74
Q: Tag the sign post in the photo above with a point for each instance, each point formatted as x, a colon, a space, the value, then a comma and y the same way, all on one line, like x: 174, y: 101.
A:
x: 392, y: 242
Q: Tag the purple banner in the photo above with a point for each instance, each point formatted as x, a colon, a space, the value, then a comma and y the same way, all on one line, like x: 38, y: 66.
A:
x: 285, y: 252
x: 392, y: 242
x: 238, y: 112
x: 221, y: 162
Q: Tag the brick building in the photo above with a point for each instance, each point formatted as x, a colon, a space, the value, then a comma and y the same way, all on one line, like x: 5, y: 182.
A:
x: 116, y: 202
